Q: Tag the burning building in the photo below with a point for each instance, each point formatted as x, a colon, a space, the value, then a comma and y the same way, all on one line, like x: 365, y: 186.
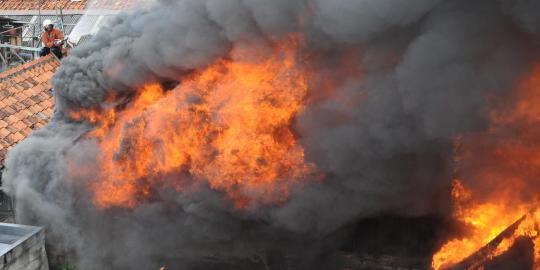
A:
x: 211, y: 134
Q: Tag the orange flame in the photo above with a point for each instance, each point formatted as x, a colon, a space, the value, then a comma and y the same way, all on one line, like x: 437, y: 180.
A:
x: 228, y: 125
x: 486, y: 221
x: 504, y: 164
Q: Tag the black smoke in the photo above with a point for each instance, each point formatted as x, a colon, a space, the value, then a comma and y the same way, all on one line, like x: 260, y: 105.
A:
x: 410, y: 76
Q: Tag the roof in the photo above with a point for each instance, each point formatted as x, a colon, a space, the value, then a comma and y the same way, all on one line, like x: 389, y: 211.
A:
x: 26, y: 100
x: 64, y: 4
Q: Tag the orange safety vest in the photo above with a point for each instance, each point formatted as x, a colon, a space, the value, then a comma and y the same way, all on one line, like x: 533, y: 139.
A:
x: 50, y: 36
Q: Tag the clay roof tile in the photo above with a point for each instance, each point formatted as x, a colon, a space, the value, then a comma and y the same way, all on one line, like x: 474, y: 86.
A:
x: 65, y: 4
x: 26, y: 102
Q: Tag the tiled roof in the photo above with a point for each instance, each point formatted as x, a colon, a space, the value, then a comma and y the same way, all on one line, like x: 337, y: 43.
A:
x: 32, y: 4
x: 26, y: 100
x: 112, y: 4
x: 64, y: 4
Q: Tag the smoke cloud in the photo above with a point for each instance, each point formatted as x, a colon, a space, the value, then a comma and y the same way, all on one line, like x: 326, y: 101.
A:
x: 407, y: 78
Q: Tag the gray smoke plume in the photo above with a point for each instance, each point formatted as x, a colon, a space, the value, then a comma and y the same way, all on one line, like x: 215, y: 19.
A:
x: 409, y: 76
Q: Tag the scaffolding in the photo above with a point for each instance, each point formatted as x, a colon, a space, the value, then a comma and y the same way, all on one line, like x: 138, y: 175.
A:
x: 77, y: 24
x: 15, y: 46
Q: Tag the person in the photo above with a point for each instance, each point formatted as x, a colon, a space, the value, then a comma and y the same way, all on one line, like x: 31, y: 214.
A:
x: 53, y: 39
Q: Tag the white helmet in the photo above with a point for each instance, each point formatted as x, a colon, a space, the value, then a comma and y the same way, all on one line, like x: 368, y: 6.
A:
x: 47, y: 23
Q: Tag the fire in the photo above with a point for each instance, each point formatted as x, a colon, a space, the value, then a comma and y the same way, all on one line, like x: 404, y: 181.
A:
x: 503, y: 164
x: 485, y: 221
x: 229, y: 125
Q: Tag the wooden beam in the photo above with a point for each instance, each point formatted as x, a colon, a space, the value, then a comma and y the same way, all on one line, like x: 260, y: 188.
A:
x: 482, y: 256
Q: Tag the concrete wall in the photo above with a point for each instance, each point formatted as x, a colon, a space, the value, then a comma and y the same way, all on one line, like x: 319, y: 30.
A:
x: 22, y: 248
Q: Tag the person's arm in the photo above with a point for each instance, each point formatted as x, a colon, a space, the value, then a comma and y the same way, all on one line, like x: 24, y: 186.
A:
x: 46, y: 42
x: 60, y: 36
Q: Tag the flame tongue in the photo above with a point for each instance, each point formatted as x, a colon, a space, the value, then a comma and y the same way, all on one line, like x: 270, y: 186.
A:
x: 228, y: 125
x: 504, y: 163
x: 494, y: 227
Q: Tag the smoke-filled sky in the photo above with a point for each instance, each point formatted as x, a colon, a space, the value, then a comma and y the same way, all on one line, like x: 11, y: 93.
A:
x: 390, y: 85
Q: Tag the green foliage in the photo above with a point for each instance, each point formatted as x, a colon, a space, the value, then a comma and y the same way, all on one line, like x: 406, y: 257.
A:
x: 68, y: 267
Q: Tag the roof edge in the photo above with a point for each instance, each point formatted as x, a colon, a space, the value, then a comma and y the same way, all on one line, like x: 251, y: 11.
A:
x: 52, y: 12
x: 15, y: 70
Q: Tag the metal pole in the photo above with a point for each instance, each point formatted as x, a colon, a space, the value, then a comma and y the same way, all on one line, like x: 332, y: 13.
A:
x: 39, y: 14
x: 4, y: 60
x: 39, y: 21
x: 18, y: 56
x: 34, y: 34
x: 62, y: 20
